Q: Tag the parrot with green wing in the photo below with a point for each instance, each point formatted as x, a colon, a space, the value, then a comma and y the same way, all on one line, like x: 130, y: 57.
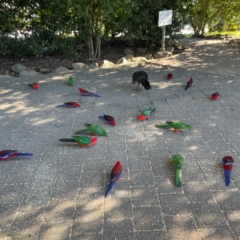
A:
x: 175, y: 125
x: 82, y: 141
x: 94, y: 129
x: 146, y: 114
x: 178, y: 162
x: 71, y: 81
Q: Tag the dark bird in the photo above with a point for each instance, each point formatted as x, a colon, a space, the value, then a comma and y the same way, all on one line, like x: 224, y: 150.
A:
x: 141, y: 77
x: 189, y: 84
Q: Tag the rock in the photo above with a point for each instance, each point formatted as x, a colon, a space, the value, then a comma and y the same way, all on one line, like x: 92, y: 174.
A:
x: 139, y: 59
x: 129, y: 57
x: 93, y: 65
x: 30, y: 73
x: 67, y: 63
x: 61, y: 69
x: 80, y: 66
x: 18, y: 68
x: 106, y: 64
x: 128, y: 51
x: 45, y: 70
x: 169, y: 49
x: 149, y: 56
x: 162, y: 54
x: 178, y: 45
x: 141, y: 51
x: 122, y: 60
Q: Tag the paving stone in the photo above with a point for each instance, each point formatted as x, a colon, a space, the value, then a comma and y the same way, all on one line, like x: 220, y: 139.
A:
x: 142, y: 196
x: 181, y: 227
x: 198, y: 192
x: 118, y: 229
x: 148, y: 218
x: 207, y: 214
x: 143, y: 177
x: 153, y: 235
x: 59, y: 211
x: 87, y: 221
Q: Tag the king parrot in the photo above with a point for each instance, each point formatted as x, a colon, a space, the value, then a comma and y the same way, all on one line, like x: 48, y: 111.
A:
x: 178, y: 162
x: 215, y: 96
x: 94, y: 129
x: 84, y: 92
x: 169, y: 76
x: 71, y: 81
x: 175, y: 125
x: 7, y: 154
x: 83, y: 141
x: 227, y: 162
x: 34, y: 85
x: 189, y: 84
x: 146, y: 114
x: 116, y: 173
x: 69, y: 105
x: 108, y: 119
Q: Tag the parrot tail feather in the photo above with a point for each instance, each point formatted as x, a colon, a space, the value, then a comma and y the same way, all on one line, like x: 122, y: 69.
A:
x: 24, y: 154
x: 81, y: 131
x: 67, y: 140
x: 111, y: 185
x: 62, y: 105
x: 101, y: 117
x: 163, y: 126
x: 227, y: 175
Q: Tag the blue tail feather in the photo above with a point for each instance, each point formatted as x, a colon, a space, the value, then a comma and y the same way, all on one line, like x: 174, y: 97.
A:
x: 62, y: 105
x: 24, y: 154
x: 102, y: 117
x: 227, y: 176
x: 186, y: 88
x: 111, y: 185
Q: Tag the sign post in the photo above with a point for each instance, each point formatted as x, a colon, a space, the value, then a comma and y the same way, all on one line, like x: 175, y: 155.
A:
x: 164, y: 18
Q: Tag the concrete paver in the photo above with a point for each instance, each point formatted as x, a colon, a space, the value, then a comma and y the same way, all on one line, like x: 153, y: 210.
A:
x: 59, y: 192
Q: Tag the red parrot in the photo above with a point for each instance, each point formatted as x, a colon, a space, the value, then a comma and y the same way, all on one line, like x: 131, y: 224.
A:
x: 227, y: 165
x: 215, y: 96
x: 108, y: 119
x: 69, y: 105
x: 169, y: 76
x: 189, y: 84
x: 34, y: 85
x: 116, y: 173
x: 7, y: 154
x: 84, y: 92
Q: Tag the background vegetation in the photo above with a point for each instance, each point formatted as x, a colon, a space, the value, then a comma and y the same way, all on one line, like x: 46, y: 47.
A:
x: 37, y: 27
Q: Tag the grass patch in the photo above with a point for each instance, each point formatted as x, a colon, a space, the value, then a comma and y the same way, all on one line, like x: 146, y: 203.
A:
x: 235, y: 34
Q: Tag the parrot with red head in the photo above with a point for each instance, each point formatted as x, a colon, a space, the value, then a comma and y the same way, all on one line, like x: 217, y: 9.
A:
x: 116, y: 173
x: 227, y: 162
x: 169, y: 76
x: 82, y: 141
x: 84, y: 92
x: 108, y: 119
x: 69, y: 105
x: 7, y: 154
x: 215, y: 96
x: 189, y: 84
x: 146, y: 114
x: 34, y: 85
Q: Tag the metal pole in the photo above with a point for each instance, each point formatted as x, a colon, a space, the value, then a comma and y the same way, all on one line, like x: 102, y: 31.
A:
x: 163, y: 38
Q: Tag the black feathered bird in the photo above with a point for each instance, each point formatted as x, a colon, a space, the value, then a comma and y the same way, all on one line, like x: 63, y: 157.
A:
x: 141, y: 77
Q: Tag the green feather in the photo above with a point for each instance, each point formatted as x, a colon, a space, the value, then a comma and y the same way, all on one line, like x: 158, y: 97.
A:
x: 85, y: 140
x: 178, y: 162
x: 95, y: 129
x: 71, y: 81
x: 148, y: 111
x: 175, y: 125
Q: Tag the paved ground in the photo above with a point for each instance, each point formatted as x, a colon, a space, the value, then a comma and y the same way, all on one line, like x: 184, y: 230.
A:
x: 58, y: 194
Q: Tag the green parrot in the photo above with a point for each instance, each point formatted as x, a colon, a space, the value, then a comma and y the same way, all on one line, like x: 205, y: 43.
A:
x: 94, y: 129
x: 71, y: 81
x: 175, y: 125
x: 178, y: 162
x: 146, y: 114
x: 83, y: 141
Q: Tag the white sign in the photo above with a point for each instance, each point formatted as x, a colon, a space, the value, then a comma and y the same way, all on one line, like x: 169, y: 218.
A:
x: 165, y: 18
